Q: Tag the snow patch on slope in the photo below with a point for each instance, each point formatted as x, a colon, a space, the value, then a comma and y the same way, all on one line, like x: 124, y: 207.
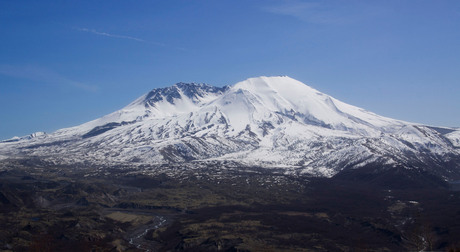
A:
x: 454, y: 138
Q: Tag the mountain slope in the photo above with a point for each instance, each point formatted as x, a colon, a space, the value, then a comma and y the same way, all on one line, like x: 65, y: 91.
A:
x: 273, y: 122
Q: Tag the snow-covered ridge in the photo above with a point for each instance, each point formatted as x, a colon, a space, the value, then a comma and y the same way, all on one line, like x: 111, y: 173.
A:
x: 38, y: 134
x: 263, y: 121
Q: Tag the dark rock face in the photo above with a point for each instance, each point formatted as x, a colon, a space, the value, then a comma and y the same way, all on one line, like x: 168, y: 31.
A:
x: 191, y: 90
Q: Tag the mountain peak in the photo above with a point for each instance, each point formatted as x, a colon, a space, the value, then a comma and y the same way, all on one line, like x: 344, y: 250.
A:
x: 194, y: 92
x: 263, y: 81
x: 283, y: 85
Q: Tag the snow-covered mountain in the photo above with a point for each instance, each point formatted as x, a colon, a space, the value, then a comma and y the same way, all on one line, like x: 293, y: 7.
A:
x: 271, y: 122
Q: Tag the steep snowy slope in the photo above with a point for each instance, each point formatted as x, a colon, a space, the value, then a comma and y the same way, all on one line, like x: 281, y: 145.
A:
x: 454, y: 137
x: 267, y: 121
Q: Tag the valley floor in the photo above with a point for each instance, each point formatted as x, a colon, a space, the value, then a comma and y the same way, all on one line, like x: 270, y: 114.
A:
x: 70, y: 209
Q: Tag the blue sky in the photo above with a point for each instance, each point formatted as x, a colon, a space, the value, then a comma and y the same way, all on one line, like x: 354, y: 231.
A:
x: 63, y: 63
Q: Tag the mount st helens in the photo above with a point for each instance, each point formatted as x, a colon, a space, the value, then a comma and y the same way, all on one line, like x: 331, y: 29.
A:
x: 275, y: 123
x: 267, y: 164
